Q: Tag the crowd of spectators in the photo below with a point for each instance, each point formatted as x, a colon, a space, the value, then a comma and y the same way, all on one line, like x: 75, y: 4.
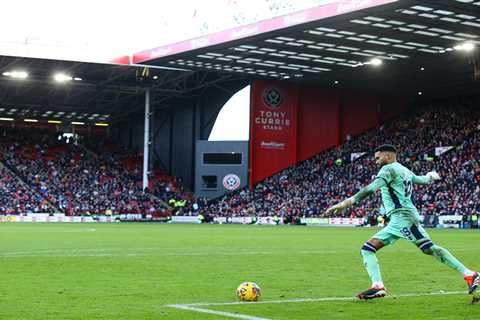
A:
x: 459, y: 190
x: 309, y: 188
x: 74, y: 180
x: 99, y: 177
x: 163, y: 186
x: 17, y: 197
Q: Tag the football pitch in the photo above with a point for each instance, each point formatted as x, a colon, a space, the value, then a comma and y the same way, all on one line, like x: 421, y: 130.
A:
x: 155, y: 271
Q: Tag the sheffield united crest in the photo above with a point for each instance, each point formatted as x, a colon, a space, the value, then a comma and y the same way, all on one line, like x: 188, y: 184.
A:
x: 272, y: 98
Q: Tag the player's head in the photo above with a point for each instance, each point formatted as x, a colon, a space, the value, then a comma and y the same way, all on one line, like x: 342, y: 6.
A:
x: 384, y: 154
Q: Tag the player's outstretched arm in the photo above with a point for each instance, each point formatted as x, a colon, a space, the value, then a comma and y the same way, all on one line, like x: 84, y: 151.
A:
x: 426, y: 179
x: 359, y: 196
x: 340, y: 206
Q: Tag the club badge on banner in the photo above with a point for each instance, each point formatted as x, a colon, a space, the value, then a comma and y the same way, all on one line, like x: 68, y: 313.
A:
x: 231, y: 182
x: 273, y: 128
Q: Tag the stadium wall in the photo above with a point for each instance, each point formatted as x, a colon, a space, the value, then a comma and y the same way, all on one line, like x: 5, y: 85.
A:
x: 323, y: 119
x: 359, y: 113
x: 318, y: 118
x: 176, y: 125
x: 391, y: 107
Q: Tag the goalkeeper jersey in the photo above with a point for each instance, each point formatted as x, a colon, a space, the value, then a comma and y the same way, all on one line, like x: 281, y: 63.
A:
x: 398, y: 187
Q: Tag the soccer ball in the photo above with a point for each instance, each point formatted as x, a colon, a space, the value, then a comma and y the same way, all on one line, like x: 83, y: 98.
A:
x: 249, y: 291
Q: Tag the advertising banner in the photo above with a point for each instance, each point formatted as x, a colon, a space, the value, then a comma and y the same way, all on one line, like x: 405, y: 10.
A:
x: 273, y: 128
x: 346, y: 221
x: 184, y: 219
x: 315, y: 221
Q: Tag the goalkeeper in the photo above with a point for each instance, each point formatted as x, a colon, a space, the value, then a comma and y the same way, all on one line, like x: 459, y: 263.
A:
x: 396, y: 184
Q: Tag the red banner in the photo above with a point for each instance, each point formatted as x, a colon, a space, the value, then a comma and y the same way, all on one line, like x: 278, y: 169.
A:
x: 273, y: 128
x: 290, y: 124
x: 330, y: 9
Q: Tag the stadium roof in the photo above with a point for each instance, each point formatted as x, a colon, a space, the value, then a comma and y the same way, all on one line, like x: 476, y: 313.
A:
x: 417, y: 42
x: 92, y: 92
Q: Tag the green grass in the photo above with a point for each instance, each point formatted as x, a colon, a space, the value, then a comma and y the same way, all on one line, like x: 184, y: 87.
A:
x: 131, y: 271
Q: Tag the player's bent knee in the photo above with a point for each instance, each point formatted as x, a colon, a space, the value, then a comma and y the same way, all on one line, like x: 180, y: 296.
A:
x: 426, y: 246
x: 368, y: 248
x: 428, y: 251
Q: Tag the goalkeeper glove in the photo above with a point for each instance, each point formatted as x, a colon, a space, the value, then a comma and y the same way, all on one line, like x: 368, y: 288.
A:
x: 432, y: 176
x: 342, y: 205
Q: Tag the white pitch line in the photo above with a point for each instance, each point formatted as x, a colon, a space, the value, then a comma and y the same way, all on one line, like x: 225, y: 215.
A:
x: 220, y: 313
x: 195, y: 306
x: 405, y: 295
x: 158, y: 252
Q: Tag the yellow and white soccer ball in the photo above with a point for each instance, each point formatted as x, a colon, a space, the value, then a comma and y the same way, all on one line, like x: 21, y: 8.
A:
x: 249, y: 291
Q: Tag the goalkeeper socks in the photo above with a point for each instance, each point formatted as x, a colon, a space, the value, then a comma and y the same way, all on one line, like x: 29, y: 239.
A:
x: 445, y: 257
x: 468, y: 272
x: 371, y: 264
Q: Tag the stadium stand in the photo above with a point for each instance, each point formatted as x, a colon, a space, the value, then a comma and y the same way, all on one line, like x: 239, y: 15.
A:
x: 309, y: 188
x: 16, y: 197
x: 74, y: 180
x: 161, y: 185
x: 44, y: 174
